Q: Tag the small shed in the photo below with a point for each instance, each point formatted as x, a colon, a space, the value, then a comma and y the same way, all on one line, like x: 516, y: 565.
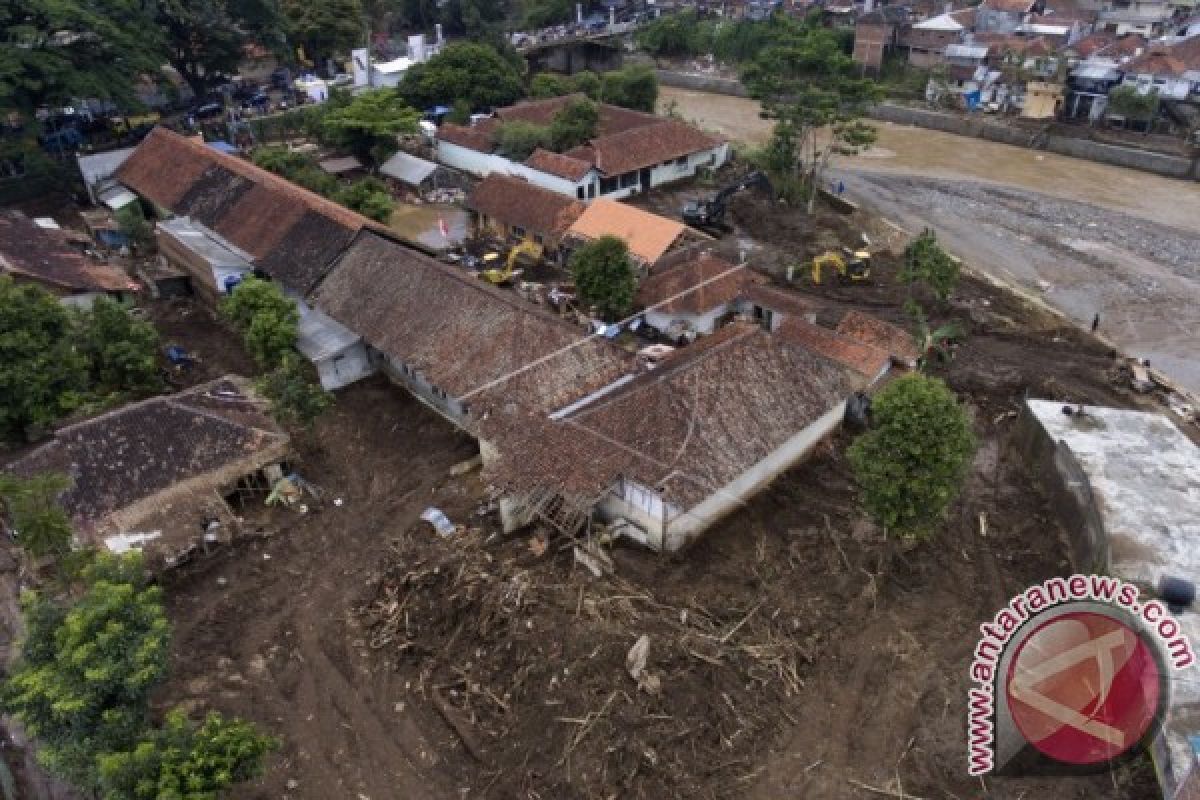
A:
x: 337, y: 352
x: 405, y: 171
x: 97, y: 171
x: 214, y: 265
x: 342, y: 167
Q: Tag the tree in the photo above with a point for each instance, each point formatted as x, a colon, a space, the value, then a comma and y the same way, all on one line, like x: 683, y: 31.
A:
x: 586, y: 82
x: 804, y: 78
x: 912, y: 462
x: 1126, y: 101
x: 544, y: 13
x: 56, y: 50
x: 369, y: 123
x: 31, y: 506
x: 369, y: 197
x: 633, y: 87
x: 518, y: 139
x: 295, y: 398
x: 183, y: 762
x: 265, y: 317
x: 42, y: 374
x: 204, y: 41
x: 574, y: 125
x: 122, y: 350
x: 478, y: 20
x: 324, y: 29
x: 466, y: 71
x: 926, y: 262
x: 549, y: 84
x: 82, y: 682
x: 460, y: 113
x: 133, y: 224
x: 604, y: 276
x: 675, y: 35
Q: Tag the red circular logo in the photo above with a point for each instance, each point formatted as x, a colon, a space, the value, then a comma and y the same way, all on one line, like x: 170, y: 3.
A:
x: 1084, y: 688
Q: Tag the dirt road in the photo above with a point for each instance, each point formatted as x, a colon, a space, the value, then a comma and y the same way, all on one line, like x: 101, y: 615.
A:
x: 1092, y: 239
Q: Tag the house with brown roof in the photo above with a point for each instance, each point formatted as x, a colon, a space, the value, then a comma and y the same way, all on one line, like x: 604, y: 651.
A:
x: 691, y: 293
x: 632, y: 151
x: 1002, y: 16
x: 685, y: 443
x: 32, y: 254
x: 159, y: 475
x: 1171, y: 70
x: 222, y: 218
x: 648, y: 236
x: 507, y: 206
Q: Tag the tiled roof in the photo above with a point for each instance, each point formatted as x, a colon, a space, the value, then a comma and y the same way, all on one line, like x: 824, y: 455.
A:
x: 713, y: 282
x: 612, y: 119
x: 472, y: 138
x: 688, y: 427
x: 647, y: 235
x: 649, y: 146
x: 863, y: 358
x: 1093, y: 43
x: 1010, y: 6
x: 781, y: 300
x: 500, y: 353
x: 515, y: 201
x: 293, y: 232
x: 1156, y: 62
x: 869, y: 330
x: 30, y: 251
x: 134, y: 453
x: 564, y: 166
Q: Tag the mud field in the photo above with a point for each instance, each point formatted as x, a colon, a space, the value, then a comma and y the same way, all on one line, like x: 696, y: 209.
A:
x: 794, y: 652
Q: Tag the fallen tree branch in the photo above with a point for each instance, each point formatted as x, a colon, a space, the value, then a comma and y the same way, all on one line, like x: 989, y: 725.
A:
x: 885, y: 792
x: 459, y: 727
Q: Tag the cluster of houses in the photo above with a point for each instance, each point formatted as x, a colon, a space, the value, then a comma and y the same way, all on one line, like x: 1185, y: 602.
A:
x: 569, y: 422
x: 1043, y: 58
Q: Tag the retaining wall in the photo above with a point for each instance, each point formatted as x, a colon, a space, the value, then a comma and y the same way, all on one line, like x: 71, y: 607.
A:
x: 701, y: 83
x: 980, y: 128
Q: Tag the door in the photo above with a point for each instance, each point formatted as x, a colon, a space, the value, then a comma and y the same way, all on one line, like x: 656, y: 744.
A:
x: 644, y: 179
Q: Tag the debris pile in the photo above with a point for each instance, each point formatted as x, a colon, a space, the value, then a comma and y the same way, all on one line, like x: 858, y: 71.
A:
x: 564, y: 684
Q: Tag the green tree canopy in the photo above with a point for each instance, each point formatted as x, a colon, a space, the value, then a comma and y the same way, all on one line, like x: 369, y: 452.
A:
x: 369, y: 123
x: 265, y: 317
x: 183, y: 762
x: 518, y: 139
x: 676, y: 35
x: 204, y: 40
x: 550, y: 84
x: 912, y: 463
x: 925, y: 262
x: 1128, y: 102
x: 467, y: 71
x: 574, y: 125
x: 543, y: 13
x: 43, y: 376
x: 32, y: 510
x: 56, y: 50
x: 804, y: 79
x: 82, y: 682
x: 635, y: 86
x: 324, y: 29
x: 122, y: 349
x: 295, y: 398
x: 604, y: 276
x: 369, y: 197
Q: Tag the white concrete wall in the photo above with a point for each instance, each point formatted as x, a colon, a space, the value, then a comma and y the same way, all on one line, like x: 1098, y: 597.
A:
x: 345, y: 367
x: 83, y: 300
x: 483, y: 164
x: 685, y: 528
x: 701, y: 323
x: 640, y: 505
x: 671, y: 172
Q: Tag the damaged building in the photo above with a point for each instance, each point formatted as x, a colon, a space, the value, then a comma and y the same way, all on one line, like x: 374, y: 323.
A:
x: 160, y: 475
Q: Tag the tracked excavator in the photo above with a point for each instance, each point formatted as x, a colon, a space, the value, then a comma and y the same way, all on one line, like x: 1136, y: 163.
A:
x: 709, y: 214
x: 503, y: 277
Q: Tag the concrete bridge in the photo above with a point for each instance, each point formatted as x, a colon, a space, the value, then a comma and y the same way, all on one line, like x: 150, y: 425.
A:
x: 579, y: 50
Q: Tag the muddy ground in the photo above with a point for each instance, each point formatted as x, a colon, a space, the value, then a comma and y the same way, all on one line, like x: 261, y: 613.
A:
x: 793, y: 652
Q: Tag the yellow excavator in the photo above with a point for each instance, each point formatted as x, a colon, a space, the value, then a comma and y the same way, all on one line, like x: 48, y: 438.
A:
x: 854, y: 267
x: 503, y: 277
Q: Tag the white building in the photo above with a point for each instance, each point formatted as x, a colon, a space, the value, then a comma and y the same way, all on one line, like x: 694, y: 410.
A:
x: 632, y: 152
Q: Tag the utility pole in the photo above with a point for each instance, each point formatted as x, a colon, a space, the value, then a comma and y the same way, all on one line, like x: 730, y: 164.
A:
x: 370, y: 72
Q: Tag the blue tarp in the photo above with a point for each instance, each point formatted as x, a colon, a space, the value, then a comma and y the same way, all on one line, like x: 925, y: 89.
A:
x: 972, y: 99
x: 223, y: 147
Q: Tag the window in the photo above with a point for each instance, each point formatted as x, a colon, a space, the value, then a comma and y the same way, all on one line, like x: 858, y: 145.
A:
x: 591, y: 190
x: 681, y: 162
x: 579, y: 193
x: 518, y: 231
x: 539, y: 239
x: 608, y: 185
x: 629, y: 179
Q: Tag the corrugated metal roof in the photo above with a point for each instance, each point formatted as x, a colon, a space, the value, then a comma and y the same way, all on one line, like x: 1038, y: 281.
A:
x: 408, y: 169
